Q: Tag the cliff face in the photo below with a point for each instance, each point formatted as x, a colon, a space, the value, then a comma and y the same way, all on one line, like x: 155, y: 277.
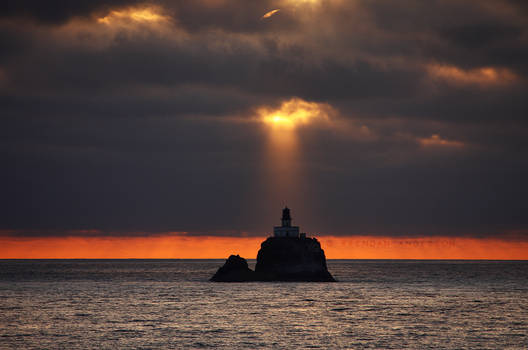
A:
x: 279, y: 259
x: 292, y: 259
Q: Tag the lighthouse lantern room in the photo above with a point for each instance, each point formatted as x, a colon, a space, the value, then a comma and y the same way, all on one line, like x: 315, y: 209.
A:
x: 286, y: 230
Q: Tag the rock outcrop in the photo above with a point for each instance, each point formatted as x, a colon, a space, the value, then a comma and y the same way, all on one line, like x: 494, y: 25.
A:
x: 235, y: 269
x: 291, y: 259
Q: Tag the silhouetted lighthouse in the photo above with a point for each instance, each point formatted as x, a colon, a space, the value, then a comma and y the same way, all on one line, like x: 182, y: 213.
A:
x: 286, y: 218
x: 286, y: 230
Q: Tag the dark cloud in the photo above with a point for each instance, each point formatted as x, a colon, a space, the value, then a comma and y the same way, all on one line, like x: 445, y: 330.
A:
x: 482, y: 34
x: 57, y: 11
x: 197, y: 15
x: 137, y: 127
x: 229, y: 15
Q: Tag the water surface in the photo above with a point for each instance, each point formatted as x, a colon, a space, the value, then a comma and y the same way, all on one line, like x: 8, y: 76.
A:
x: 142, y: 304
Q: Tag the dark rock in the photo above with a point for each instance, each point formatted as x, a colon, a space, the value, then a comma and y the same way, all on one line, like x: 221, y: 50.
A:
x: 235, y: 269
x: 292, y: 259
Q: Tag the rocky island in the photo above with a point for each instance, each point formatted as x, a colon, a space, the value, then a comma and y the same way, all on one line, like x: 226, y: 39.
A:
x: 287, y: 256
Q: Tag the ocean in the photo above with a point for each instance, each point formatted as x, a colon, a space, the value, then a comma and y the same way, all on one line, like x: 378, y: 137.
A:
x: 170, y: 304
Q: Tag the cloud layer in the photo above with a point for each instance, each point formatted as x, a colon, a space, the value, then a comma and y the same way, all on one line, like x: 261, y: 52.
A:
x: 131, y: 116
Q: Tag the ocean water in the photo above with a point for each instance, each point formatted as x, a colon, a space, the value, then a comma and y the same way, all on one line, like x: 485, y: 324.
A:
x: 162, y: 304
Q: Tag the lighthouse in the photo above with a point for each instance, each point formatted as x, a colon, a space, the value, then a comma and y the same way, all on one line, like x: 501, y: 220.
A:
x: 286, y: 229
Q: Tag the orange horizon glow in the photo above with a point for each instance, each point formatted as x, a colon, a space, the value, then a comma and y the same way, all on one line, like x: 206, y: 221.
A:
x: 212, y: 247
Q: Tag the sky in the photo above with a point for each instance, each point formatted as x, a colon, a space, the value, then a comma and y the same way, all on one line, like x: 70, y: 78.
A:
x: 182, y: 128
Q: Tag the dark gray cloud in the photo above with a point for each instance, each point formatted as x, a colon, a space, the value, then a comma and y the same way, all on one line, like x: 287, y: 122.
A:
x: 131, y: 126
x: 55, y: 12
x: 198, y: 15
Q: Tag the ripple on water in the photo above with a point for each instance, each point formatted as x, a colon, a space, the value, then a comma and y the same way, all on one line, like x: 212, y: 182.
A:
x: 377, y: 305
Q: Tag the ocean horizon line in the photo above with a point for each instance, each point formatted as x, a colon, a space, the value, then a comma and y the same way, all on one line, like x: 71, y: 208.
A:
x: 254, y: 259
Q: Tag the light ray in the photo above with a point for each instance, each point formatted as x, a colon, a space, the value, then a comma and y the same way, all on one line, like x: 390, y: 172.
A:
x: 283, y: 178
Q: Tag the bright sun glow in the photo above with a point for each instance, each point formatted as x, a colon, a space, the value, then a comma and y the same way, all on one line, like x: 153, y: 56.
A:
x: 293, y: 113
x: 134, y: 14
x: 301, y: 2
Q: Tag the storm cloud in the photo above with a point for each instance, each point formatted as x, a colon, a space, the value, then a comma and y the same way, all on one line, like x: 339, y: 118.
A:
x: 130, y: 116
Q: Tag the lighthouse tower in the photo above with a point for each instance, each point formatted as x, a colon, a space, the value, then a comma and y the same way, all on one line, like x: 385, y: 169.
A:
x: 286, y: 218
x: 286, y: 230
